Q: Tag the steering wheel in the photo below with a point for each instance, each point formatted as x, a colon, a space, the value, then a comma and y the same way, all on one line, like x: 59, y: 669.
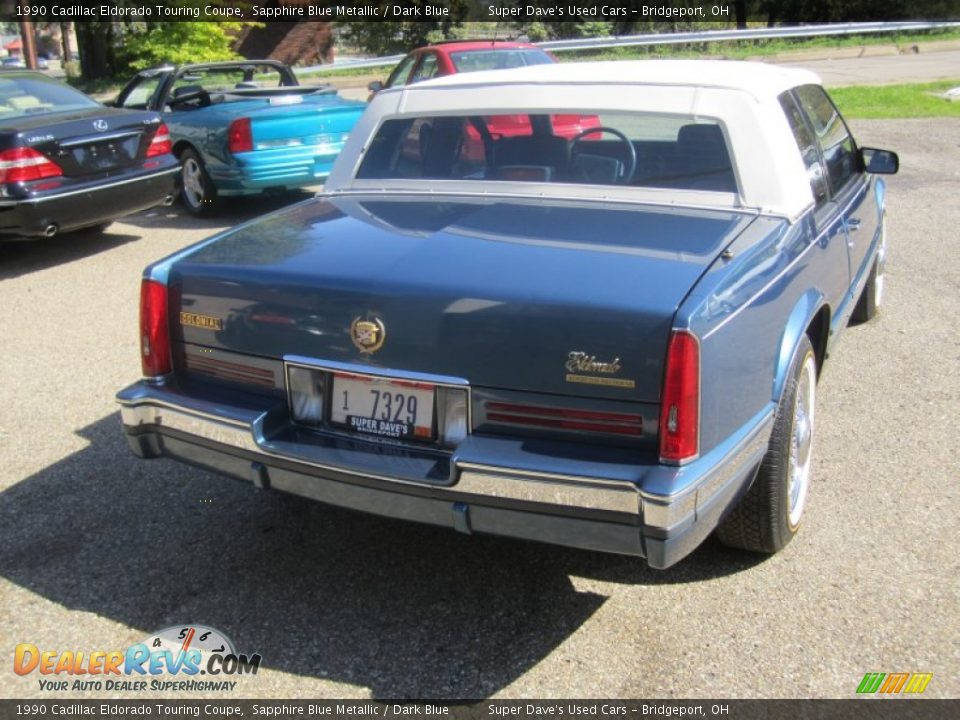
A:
x: 630, y: 154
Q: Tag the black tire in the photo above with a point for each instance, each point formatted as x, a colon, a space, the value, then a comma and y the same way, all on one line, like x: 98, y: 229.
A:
x: 770, y: 513
x: 197, y: 191
x: 872, y: 294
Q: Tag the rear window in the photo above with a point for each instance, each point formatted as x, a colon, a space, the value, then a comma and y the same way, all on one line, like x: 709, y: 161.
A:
x: 637, y: 149
x: 494, y: 59
x: 21, y: 96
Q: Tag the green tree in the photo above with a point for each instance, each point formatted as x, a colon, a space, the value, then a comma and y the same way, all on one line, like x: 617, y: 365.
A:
x: 156, y: 43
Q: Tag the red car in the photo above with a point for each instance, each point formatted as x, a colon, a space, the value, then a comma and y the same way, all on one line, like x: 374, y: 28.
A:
x: 460, y: 56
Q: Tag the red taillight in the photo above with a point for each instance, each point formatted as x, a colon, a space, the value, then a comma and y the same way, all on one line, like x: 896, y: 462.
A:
x: 239, y: 136
x: 24, y: 164
x: 565, y: 418
x: 680, y: 411
x: 154, y: 329
x: 160, y: 145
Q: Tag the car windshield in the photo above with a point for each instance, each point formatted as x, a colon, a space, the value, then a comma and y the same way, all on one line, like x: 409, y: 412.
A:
x: 609, y: 148
x: 31, y: 95
x: 498, y: 59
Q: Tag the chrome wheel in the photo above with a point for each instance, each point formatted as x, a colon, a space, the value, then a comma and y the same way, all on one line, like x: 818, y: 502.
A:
x: 801, y: 441
x: 193, y: 182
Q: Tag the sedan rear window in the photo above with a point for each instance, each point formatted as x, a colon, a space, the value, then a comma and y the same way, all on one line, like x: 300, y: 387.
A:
x: 497, y: 59
x: 610, y: 148
x: 27, y: 95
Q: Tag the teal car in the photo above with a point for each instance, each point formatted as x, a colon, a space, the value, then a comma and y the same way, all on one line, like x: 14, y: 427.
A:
x: 243, y: 128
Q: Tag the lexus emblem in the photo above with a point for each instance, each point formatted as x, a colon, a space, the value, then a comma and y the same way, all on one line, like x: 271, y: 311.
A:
x: 368, y: 335
x: 100, y: 125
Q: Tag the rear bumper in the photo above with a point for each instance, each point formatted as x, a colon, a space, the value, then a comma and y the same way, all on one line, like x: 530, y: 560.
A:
x: 76, y: 207
x: 483, y: 488
x: 259, y: 170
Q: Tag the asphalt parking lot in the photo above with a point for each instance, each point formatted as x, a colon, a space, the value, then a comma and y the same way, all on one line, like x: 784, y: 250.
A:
x: 98, y: 549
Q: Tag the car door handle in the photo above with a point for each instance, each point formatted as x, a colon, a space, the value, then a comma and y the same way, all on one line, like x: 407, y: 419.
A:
x: 853, y: 224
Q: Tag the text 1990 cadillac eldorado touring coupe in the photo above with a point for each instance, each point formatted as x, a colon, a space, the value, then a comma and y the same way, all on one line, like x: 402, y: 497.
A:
x: 610, y: 341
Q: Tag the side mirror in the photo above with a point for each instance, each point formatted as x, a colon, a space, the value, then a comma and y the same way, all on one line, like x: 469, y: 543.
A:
x: 375, y: 87
x: 880, y: 162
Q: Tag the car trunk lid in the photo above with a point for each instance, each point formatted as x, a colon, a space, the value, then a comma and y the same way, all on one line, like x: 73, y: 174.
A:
x: 568, y: 298
x: 292, y: 120
x: 91, y: 142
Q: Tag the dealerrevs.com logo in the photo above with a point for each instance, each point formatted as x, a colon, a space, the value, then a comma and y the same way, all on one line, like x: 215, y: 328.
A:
x: 178, y: 658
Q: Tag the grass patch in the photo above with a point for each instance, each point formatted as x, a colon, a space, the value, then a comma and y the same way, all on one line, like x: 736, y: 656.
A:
x: 896, y: 101
x: 741, y: 49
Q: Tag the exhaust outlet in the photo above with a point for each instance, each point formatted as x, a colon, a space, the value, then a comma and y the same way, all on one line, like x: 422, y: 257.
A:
x: 50, y: 230
x: 168, y: 200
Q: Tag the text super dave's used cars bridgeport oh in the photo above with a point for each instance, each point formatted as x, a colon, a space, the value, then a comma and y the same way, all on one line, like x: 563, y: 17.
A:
x: 608, y: 339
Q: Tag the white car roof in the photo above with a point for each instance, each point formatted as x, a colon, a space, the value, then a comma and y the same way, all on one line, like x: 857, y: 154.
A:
x: 742, y: 97
x: 758, y: 79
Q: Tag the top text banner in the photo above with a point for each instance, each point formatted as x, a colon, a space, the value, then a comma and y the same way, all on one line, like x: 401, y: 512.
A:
x: 365, y: 10
x: 623, y: 11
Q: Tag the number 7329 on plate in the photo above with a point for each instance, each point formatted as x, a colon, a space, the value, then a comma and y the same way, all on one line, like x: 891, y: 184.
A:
x: 383, y: 407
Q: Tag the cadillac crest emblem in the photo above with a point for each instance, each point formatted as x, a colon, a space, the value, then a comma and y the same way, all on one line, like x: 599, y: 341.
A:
x: 368, y: 335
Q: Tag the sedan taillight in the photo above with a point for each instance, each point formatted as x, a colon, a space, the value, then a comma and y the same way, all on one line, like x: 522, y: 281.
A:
x: 680, y: 411
x: 240, y: 136
x: 154, y: 329
x: 160, y: 144
x: 25, y: 164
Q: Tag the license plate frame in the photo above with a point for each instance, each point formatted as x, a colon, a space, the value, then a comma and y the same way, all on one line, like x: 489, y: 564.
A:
x: 383, y: 407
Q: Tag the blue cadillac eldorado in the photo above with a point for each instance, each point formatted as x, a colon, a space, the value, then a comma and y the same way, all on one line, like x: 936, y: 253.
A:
x: 610, y: 341
x: 240, y: 128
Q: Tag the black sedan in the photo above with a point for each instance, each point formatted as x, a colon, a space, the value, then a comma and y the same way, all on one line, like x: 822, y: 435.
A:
x: 67, y: 162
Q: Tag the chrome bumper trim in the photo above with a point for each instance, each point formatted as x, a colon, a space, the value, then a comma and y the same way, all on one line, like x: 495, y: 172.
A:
x: 581, y: 493
x: 235, y: 433
x: 482, y: 481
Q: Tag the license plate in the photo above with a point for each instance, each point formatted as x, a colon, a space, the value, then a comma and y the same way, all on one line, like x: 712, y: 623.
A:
x: 383, y: 407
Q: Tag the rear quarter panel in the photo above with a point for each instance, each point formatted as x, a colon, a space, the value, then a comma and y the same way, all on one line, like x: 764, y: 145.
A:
x: 749, y: 311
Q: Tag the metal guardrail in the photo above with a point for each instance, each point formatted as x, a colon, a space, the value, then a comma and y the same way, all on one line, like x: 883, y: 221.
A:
x: 704, y: 36
x: 792, y: 31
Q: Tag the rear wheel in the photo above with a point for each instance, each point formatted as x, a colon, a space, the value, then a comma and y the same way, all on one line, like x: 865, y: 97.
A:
x: 872, y: 296
x: 769, y: 514
x: 196, y: 189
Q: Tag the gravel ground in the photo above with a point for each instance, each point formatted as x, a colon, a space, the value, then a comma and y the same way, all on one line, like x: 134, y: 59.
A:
x: 98, y: 549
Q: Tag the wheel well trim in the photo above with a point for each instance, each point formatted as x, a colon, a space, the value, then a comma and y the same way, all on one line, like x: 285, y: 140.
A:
x: 811, y: 313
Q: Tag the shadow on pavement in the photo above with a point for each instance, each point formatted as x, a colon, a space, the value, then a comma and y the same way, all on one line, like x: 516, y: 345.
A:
x: 21, y: 257
x: 405, y: 610
x: 232, y: 211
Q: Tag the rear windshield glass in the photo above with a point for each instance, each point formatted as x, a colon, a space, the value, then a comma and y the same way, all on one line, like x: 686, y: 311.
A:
x: 498, y: 59
x: 26, y: 96
x: 609, y: 148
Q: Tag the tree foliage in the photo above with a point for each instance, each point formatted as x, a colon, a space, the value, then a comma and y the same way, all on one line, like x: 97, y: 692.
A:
x: 178, y: 42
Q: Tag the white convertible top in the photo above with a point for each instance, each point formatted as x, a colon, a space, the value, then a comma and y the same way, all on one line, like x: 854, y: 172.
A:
x: 758, y: 79
x: 741, y: 96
